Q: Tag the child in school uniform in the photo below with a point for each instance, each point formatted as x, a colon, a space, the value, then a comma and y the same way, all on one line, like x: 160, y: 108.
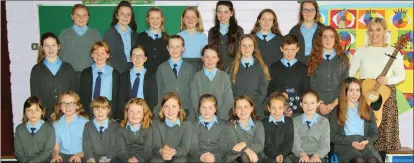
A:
x: 226, y: 33
x: 99, y: 79
x: 172, y: 134
x: 278, y: 130
x: 249, y: 74
x: 212, y: 80
x: 154, y: 39
x: 353, y: 126
x: 311, y: 132
x: 51, y: 76
x: 100, y: 134
x: 121, y: 36
x: 208, y: 143
x: 34, y: 138
x: 288, y: 75
x: 175, y: 75
x: 138, y: 82
x: 193, y: 33
x: 307, y: 29
x: 134, y: 143
x: 268, y: 36
x: 68, y: 119
x: 328, y: 67
x: 77, y: 39
x: 246, y: 133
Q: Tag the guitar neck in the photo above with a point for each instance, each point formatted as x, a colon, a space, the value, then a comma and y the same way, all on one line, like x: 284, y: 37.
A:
x: 387, y: 67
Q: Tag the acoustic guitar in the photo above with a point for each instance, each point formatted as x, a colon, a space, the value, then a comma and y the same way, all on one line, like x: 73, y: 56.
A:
x: 373, y: 91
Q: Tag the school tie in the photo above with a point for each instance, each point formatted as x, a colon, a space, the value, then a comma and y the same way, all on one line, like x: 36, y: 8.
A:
x: 101, y: 130
x: 246, y: 65
x: 206, y: 124
x: 264, y: 37
x: 97, y: 90
x: 175, y: 70
x: 288, y: 64
x: 33, y: 129
x: 327, y: 56
x: 135, y: 86
x: 156, y: 36
x: 309, y: 124
x: 278, y: 122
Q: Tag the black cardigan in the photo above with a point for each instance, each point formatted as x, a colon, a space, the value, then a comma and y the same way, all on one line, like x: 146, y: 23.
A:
x: 155, y: 50
x: 301, y: 40
x: 278, y: 138
x: 124, y: 93
x: 85, y: 90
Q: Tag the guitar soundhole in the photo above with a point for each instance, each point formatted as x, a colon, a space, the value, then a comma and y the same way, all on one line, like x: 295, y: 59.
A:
x: 372, y: 96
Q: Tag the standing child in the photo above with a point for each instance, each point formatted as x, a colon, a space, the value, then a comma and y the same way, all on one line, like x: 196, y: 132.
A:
x: 100, y: 134
x: 172, y: 136
x: 99, y: 79
x: 121, y: 36
x: 154, y: 39
x: 353, y: 126
x: 246, y: 133
x: 51, y: 76
x: 69, y: 120
x: 288, y: 75
x: 249, y: 73
x: 192, y: 32
x: 134, y: 143
x: 226, y: 33
x: 175, y: 75
x: 278, y: 130
x: 212, y: 80
x: 328, y: 67
x: 209, y: 133
x: 34, y: 138
x: 307, y: 28
x: 77, y: 40
x: 312, y: 133
x: 138, y: 82
x: 268, y: 36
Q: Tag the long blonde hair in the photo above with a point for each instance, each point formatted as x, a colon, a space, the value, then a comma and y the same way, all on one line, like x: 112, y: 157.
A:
x: 234, y: 67
x: 57, y: 113
x: 199, y: 26
x: 146, y: 120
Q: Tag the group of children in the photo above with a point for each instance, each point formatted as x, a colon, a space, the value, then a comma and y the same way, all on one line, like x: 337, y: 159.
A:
x: 228, y: 97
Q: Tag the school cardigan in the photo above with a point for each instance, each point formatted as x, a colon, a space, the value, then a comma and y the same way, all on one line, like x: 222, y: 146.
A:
x: 124, y: 93
x: 220, y: 88
x: 315, y: 140
x: 96, y: 146
x: 76, y: 49
x: 48, y: 87
x: 167, y: 82
x: 155, y: 50
x: 254, y: 138
x: 251, y: 82
x: 223, y: 45
x: 36, y: 148
x: 278, y: 138
x: 270, y: 50
x: 85, y: 90
x: 177, y: 137
x: 301, y: 40
x: 118, y: 59
x: 343, y: 143
x: 138, y: 144
x: 213, y: 140
x: 328, y: 77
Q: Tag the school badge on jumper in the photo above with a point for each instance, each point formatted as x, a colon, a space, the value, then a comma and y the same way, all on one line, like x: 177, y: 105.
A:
x: 293, y: 98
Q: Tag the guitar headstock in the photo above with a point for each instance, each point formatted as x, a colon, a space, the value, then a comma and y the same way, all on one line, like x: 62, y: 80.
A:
x: 402, y: 41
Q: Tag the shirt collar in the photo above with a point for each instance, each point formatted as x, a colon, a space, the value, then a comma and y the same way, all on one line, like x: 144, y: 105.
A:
x: 63, y: 119
x: 224, y: 28
x: 292, y: 62
x: 132, y: 128
x: 313, y: 121
x: 97, y: 125
x: 172, y: 124
x: 313, y: 28
x: 118, y: 28
x: 78, y: 28
x: 281, y: 119
x: 244, y: 61
x: 249, y: 125
x: 332, y: 55
x: 179, y: 62
x: 201, y: 121
x: 95, y: 68
x: 149, y: 32
x: 211, y: 74
x: 57, y: 62
x: 37, y: 125
x: 269, y: 36
x: 134, y: 72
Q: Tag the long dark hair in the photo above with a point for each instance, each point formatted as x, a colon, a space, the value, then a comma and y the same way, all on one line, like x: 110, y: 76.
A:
x: 41, y: 53
x: 132, y: 24
x: 233, y: 33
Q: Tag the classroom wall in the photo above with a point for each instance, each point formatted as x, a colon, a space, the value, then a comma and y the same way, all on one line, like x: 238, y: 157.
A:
x: 23, y: 29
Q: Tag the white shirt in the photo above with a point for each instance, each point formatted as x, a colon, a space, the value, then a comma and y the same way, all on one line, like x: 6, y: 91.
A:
x: 370, y: 61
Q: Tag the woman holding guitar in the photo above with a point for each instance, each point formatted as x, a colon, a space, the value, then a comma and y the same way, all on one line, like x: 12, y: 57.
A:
x: 370, y: 60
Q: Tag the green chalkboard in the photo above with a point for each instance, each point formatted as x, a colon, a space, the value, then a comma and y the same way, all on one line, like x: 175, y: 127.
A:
x: 56, y: 18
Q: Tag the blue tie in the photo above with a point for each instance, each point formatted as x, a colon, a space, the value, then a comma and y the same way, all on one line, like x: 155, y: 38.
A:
x: 288, y: 64
x: 246, y: 65
x: 97, y: 90
x: 156, y: 36
x: 309, y: 124
x: 33, y: 129
x: 135, y: 86
x: 175, y: 70
x: 101, y: 130
x: 327, y: 56
x: 206, y: 124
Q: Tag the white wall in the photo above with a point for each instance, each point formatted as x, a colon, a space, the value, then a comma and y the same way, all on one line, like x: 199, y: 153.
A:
x: 23, y: 28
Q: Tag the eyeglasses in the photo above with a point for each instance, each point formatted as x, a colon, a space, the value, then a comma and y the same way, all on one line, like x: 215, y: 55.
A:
x: 305, y: 10
x: 67, y: 104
